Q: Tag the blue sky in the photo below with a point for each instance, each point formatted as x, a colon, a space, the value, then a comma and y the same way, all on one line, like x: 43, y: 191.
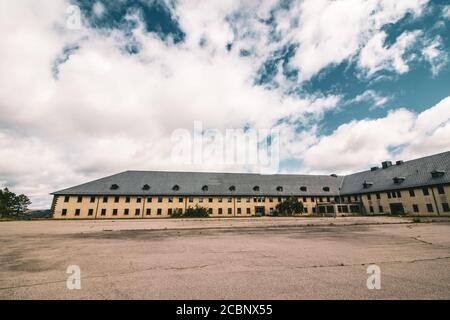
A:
x: 347, y: 84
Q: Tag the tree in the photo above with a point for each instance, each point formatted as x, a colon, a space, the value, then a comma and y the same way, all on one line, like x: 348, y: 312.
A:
x: 289, y: 207
x: 12, y: 204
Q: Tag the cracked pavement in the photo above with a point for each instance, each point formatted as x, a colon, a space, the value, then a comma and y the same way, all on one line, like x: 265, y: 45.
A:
x: 266, y: 258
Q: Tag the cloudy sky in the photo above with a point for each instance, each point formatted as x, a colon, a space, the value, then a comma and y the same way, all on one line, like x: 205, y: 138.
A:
x: 348, y: 83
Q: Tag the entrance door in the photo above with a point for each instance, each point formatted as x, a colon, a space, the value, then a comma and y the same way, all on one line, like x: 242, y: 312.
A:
x: 259, y: 211
x: 396, y: 208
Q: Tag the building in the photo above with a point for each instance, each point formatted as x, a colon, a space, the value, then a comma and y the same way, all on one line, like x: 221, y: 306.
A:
x: 420, y: 186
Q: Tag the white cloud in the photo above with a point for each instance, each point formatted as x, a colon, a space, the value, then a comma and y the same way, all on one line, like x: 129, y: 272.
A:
x: 375, y: 56
x: 372, y: 97
x: 446, y: 12
x: 436, y: 55
x: 359, y: 144
x: 330, y: 32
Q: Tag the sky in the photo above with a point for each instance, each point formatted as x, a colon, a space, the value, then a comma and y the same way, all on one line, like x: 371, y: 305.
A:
x: 93, y: 88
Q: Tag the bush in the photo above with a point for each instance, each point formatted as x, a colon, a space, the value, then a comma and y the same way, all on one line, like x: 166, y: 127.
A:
x: 196, y: 212
x: 288, y: 207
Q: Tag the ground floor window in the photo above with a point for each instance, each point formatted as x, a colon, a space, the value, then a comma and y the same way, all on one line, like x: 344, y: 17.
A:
x: 64, y: 212
x: 430, y: 207
x: 77, y: 212
x: 445, y: 207
x: 90, y: 212
x: 103, y: 213
x: 415, y: 208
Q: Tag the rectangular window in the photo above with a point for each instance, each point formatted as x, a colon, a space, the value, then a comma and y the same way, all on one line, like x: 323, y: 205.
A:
x: 415, y: 208
x: 389, y: 195
x: 148, y: 212
x: 248, y: 199
x: 304, y: 199
x: 230, y: 211
x: 90, y: 212
x: 64, y: 212
x: 412, y: 193
x: 230, y: 199
x: 441, y: 190
x: 160, y: 199
x: 248, y: 210
x: 209, y: 210
x: 137, y: 212
x: 219, y: 211
x: 210, y: 199
x: 425, y: 192
x: 149, y: 199
x: 429, y: 207
x: 320, y: 199
x: 66, y: 199
x: 79, y: 199
x: 368, y: 197
x: 200, y: 199
x: 116, y: 199
x: 445, y: 207
x: 380, y: 208
x: 356, y: 198
x: 220, y: 200
x: 328, y: 199
x: 77, y: 212
x: 180, y: 200
x: 371, y: 209
x: 103, y: 213
x: 279, y: 199
x: 378, y: 196
x: 138, y: 199
x: 114, y: 212
x: 238, y: 199
x: 399, y: 194
x: 169, y: 211
x: 127, y: 199
x: 105, y: 199
x: 171, y: 199
x: 159, y: 212
x: 92, y: 199
x: 126, y: 211
x: 239, y: 211
x: 191, y: 199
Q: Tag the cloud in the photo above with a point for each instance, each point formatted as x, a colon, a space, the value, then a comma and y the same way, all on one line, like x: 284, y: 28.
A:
x: 436, y: 55
x: 375, y: 99
x: 330, y: 32
x: 357, y: 145
x: 375, y: 56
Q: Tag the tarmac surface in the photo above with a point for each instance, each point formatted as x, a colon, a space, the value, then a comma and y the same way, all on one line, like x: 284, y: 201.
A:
x: 241, y: 258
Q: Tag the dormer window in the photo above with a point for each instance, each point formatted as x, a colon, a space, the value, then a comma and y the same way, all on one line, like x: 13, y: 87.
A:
x: 256, y: 188
x: 145, y: 187
x: 114, y: 186
x: 205, y: 188
x: 398, y: 180
x: 303, y: 188
x: 367, y: 184
x: 232, y: 188
x: 326, y: 189
x: 437, y: 173
x: 279, y: 188
x: 176, y: 187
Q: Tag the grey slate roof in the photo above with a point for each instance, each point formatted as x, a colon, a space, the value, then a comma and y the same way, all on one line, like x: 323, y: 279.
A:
x: 191, y: 183
x: 416, y: 173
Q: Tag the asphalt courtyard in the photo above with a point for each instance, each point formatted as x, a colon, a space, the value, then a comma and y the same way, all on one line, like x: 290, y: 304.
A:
x: 242, y: 258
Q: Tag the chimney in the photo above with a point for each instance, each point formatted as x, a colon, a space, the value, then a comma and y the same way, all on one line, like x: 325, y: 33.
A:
x: 386, y: 164
x: 399, y: 162
x: 374, y: 168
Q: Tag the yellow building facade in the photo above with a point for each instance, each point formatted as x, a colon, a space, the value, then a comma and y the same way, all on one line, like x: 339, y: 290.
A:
x: 416, y: 187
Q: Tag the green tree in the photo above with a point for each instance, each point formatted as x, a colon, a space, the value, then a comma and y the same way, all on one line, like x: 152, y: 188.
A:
x: 12, y: 204
x: 289, y: 207
x: 196, y: 212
